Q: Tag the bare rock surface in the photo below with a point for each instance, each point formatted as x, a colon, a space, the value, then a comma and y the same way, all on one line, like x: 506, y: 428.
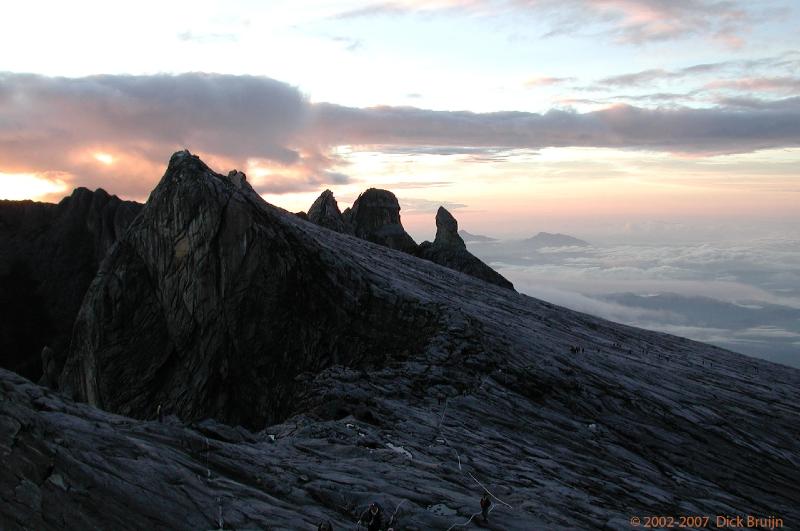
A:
x: 449, y: 250
x: 215, y: 302
x: 369, y: 374
x: 49, y: 254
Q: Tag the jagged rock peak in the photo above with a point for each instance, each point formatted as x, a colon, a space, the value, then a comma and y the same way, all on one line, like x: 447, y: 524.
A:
x: 179, y: 156
x: 183, y: 165
x: 447, y: 229
x: 375, y: 216
x: 82, y: 191
x: 325, y: 213
x: 449, y: 250
x: 214, y: 302
x: 237, y: 177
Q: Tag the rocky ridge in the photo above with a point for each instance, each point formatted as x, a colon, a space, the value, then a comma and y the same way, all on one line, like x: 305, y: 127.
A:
x: 422, y: 388
x: 375, y: 217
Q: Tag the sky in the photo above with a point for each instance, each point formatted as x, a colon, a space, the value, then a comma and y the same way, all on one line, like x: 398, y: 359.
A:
x: 590, y: 116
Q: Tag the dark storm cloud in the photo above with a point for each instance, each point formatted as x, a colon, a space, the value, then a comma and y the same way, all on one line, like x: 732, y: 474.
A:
x: 56, y: 124
x: 685, y: 130
x: 202, y: 109
x: 47, y: 123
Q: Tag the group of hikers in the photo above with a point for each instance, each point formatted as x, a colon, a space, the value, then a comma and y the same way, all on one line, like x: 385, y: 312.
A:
x: 373, y: 519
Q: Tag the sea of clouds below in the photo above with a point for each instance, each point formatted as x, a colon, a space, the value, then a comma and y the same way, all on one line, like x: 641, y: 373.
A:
x: 744, y: 296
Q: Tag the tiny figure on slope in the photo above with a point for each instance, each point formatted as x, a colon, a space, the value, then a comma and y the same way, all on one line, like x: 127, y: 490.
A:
x: 373, y: 517
x: 486, y: 504
x: 160, y: 413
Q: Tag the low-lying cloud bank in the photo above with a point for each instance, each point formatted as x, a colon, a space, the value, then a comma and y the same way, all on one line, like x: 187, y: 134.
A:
x: 117, y: 131
x: 742, y: 296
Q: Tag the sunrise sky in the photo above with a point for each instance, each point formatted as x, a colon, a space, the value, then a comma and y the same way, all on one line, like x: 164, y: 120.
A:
x: 520, y: 115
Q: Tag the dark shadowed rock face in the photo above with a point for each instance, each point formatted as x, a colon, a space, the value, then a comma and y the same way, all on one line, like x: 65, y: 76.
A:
x: 447, y: 230
x: 449, y: 250
x: 375, y: 217
x: 325, y: 213
x: 214, y: 302
x: 49, y: 254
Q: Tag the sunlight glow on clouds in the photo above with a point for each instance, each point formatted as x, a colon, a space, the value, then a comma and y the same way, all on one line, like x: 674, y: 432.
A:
x: 17, y: 186
x: 104, y: 158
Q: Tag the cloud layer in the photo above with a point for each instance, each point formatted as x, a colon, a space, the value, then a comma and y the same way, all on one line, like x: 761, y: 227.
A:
x: 625, y: 21
x: 743, y: 296
x: 682, y: 130
x: 117, y: 131
x: 58, y: 124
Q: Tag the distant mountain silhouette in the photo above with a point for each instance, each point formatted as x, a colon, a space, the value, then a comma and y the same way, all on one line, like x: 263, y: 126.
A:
x: 475, y: 238
x: 546, y: 239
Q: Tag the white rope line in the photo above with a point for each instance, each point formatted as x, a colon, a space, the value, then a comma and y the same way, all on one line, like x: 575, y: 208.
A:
x: 465, y: 524
x: 489, y: 492
x: 458, y: 456
x: 208, y: 469
x: 358, y: 524
x: 441, y: 419
x: 439, y: 429
x: 391, y: 520
x: 220, y: 520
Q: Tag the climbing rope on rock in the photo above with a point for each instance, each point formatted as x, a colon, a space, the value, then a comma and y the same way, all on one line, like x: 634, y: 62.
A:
x: 471, y: 518
x: 439, y: 429
x: 488, y: 491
